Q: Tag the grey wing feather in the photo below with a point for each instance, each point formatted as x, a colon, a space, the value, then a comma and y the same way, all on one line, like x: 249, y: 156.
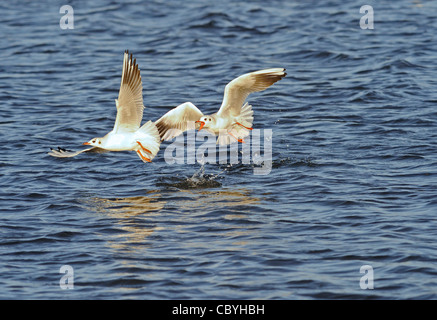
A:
x: 64, y: 153
x: 130, y: 97
x: 237, y: 91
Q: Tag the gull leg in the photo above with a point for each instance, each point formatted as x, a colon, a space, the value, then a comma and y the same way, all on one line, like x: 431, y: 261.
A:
x: 239, y: 140
x: 143, y: 157
x: 244, y: 126
x: 142, y: 147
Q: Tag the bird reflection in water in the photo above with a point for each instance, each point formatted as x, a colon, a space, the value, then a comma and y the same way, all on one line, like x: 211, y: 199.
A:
x: 202, y: 200
x: 136, y: 218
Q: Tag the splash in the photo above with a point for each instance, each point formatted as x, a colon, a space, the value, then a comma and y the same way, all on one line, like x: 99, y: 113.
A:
x: 199, y: 180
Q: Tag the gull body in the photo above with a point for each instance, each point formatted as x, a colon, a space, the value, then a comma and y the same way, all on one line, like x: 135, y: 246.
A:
x: 233, y: 121
x: 127, y: 135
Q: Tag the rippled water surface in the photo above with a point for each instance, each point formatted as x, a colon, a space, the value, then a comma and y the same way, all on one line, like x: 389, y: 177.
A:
x: 354, y: 157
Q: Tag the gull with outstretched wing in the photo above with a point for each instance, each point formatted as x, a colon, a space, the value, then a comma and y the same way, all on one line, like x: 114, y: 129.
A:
x: 127, y: 135
x: 234, y: 119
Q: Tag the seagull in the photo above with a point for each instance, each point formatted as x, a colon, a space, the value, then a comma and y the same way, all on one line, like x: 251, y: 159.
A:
x: 233, y: 121
x: 127, y: 135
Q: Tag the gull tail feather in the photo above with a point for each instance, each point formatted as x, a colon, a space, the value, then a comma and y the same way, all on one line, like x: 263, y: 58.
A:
x: 238, y: 131
x: 246, y: 115
x: 149, y: 138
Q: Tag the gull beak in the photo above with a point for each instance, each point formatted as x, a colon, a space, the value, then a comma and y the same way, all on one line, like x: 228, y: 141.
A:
x: 201, y: 124
x: 87, y: 143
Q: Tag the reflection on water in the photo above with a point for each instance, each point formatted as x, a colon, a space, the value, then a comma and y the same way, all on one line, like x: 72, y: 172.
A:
x: 206, y: 206
x: 125, y: 208
x: 138, y: 217
x: 135, y: 218
x: 205, y: 200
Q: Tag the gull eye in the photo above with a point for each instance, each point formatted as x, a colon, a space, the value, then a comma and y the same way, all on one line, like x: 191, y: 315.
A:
x: 100, y: 142
x: 209, y: 119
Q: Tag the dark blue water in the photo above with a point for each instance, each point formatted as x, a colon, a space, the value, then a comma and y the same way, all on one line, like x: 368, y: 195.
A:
x: 354, y: 152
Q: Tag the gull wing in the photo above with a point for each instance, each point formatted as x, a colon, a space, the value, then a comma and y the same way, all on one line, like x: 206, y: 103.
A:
x: 178, y: 120
x: 64, y: 153
x: 130, y: 97
x: 237, y: 91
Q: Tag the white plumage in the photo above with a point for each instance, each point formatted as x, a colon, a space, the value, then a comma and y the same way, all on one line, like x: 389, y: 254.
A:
x: 127, y: 135
x: 234, y: 119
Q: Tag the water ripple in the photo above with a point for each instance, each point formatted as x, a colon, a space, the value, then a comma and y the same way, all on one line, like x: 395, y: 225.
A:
x: 353, y: 153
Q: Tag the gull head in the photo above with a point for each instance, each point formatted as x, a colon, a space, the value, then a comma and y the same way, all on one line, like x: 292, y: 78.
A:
x: 95, y: 142
x: 205, y: 122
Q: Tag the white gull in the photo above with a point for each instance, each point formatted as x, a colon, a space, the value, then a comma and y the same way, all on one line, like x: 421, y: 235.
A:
x: 233, y: 120
x: 127, y: 135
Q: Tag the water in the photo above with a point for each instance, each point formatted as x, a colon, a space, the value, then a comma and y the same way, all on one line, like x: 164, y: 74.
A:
x: 354, y: 161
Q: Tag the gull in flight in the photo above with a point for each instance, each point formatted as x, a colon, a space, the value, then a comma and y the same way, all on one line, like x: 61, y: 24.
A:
x: 234, y: 119
x: 127, y: 135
